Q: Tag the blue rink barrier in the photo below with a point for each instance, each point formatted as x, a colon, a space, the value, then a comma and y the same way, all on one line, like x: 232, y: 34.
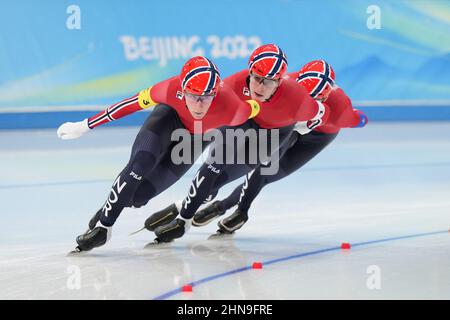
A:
x: 48, y: 120
x: 52, y: 119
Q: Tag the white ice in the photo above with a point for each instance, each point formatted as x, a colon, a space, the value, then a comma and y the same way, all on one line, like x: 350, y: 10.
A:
x: 386, y: 180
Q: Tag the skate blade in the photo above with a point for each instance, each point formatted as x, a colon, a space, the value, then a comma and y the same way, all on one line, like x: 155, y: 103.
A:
x: 133, y: 233
x: 76, y: 252
x: 157, y: 243
x: 220, y: 235
x: 201, y: 224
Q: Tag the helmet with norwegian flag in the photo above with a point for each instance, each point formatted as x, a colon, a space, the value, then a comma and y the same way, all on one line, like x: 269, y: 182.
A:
x: 200, y: 76
x: 318, y: 78
x: 268, y: 61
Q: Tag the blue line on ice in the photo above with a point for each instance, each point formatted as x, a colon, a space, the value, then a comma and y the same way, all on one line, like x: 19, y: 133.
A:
x: 367, y: 167
x: 296, y: 256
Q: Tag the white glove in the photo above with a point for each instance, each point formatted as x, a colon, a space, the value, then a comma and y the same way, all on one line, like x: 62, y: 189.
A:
x: 73, y: 130
x: 305, y: 127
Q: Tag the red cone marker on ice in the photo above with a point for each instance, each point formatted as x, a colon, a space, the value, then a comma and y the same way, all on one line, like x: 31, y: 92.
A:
x: 257, y: 265
x: 186, y: 288
x: 345, y: 245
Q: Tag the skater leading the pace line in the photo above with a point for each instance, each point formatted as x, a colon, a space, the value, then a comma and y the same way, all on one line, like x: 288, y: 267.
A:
x: 283, y: 103
x: 195, y: 101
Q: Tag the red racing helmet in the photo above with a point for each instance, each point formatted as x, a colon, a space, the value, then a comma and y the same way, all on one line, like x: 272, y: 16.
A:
x: 268, y: 61
x: 200, y: 76
x: 317, y: 77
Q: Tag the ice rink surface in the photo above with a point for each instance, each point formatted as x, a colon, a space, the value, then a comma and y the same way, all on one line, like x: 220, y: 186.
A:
x: 385, y: 189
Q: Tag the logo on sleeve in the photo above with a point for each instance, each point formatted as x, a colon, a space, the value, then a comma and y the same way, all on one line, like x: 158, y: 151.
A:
x: 179, y: 95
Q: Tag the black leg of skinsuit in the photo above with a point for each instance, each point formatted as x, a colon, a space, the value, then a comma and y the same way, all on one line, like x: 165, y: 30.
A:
x: 211, y: 177
x: 304, y: 149
x: 152, y: 143
x: 164, y: 175
x: 234, y: 197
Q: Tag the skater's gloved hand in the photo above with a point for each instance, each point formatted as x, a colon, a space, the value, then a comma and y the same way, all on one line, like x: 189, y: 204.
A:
x: 73, y: 130
x: 363, y: 120
x: 305, y: 127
